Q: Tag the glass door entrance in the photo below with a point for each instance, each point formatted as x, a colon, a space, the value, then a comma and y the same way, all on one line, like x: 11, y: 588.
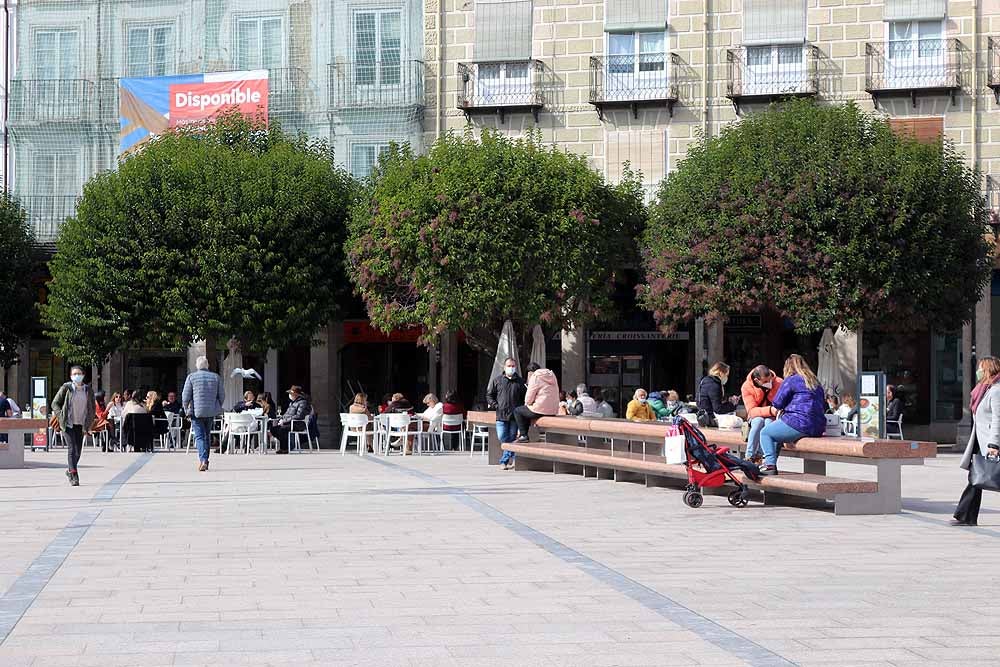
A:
x: 617, y: 376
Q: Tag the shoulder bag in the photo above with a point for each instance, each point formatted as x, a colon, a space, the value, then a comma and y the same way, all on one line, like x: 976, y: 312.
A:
x: 984, y: 473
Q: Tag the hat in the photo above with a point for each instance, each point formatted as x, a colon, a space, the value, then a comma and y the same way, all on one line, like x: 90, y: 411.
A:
x: 295, y: 389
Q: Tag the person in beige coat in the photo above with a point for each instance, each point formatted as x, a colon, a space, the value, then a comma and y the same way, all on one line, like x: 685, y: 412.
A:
x: 542, y: 399
x: 985, y: 438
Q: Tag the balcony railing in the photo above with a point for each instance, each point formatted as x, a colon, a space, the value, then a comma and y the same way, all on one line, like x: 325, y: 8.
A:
x: 912, y: 66
x: 51, y: 100
x: 631, y: 81
x: 769, y: 73
x: 501, y: 87
x: 993, y: 67
x: 369, y: 84
x: 46, y: 214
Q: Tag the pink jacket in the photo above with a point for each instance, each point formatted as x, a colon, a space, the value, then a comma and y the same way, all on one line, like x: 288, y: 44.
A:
x: 543, y: 392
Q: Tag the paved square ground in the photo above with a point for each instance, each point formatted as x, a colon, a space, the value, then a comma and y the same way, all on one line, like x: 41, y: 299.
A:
x: 339, y: 560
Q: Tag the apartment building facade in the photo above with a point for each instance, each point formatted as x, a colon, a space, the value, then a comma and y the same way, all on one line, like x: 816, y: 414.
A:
x: 623, y: 82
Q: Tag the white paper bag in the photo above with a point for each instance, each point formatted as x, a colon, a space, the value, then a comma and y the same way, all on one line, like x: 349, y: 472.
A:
x: 673, y: 449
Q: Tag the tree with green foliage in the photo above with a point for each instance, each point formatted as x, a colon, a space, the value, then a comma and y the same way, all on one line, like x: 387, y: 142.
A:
x: 18, y: 261
x: 823, y: 214
x: 478, y: 231
x: 233, y: 229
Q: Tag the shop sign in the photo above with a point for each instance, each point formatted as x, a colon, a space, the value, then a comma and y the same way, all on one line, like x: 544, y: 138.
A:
x: 638, y: 335
x: 744, y: 322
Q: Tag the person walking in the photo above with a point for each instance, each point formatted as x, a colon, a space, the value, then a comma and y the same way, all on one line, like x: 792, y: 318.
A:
x: 203, y: 397
x: 985, y: 438
x: 505, y: 392
x: 798, y: 410
x: 74, y: 409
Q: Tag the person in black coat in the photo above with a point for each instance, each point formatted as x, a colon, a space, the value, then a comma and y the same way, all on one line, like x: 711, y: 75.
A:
x: 711, y: 398
x: 505, y: 392
x: 893, y: 408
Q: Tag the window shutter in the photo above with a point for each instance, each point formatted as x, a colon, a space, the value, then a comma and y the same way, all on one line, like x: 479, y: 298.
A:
x: 632, y: 15
x: 503, y: 31
x: 774, y: 22
x: 912, y: 10
x: 924, y: 130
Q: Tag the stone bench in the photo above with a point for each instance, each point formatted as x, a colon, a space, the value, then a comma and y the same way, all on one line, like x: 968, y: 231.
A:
x: 618, y: 437
x: 13, y: 434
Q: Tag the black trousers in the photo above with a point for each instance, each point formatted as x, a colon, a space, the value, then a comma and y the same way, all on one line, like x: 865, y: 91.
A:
x: 968, y: 504
x: 74, y: 446
x: 524, y: 418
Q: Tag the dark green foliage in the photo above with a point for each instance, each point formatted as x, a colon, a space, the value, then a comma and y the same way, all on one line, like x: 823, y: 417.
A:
x: 481, y: 230
x: 228, y: 230
x: 17, y: 266
x: 824, y: 214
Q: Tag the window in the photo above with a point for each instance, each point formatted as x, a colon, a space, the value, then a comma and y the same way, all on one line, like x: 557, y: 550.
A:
x: 260, y: 43
x: 917, y: 54
x: 364, y: 157
x: 149, y: 50
x: 377, y: 48
x: 56, y: 54
x: 637, y: 65
x: 774, y: 70
x: 503, y: 84
x: 55, y: 183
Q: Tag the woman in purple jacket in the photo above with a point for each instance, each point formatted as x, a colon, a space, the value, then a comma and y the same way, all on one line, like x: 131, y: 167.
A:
x: 798, y: 409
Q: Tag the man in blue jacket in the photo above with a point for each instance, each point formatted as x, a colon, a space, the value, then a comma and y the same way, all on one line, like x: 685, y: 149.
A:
x: 203, y: 397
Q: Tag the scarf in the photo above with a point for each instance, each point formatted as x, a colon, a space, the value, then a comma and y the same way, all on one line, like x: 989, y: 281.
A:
x: 977, y: 394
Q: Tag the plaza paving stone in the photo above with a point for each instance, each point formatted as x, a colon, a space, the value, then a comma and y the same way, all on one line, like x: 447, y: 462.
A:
x: 442, y: 560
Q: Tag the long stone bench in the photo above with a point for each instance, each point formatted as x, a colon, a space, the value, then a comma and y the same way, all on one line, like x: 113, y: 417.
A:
x: 618, y: 444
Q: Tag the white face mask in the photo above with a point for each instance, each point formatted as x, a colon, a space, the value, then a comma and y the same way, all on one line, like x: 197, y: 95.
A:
x: 766, y: 385
x: 642, y: 400
x: 76, y: 378
x: 291, y: 397
x: 509, y: 371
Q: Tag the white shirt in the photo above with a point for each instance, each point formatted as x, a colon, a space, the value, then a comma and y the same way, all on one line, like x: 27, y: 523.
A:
x: 434, y: 414
x: 843, y: 411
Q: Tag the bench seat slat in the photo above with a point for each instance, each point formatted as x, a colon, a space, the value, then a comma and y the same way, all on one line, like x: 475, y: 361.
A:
x: 798, y: 483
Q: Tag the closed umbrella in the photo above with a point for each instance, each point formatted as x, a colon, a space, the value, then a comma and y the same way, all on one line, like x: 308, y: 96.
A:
x: 538, y: 346
x: 827, y: 372
x: 506, y: 348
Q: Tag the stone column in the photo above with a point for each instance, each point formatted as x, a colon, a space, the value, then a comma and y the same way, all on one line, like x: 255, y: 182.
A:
x: 432, y: 373
x: 113, y: 375
x: 715, y: 333
x: 324, y: 371
x: 574, y: 358
x: 449, y: 362
x: 271, y: 373
x: 964, y: 428
x: 700, y: 355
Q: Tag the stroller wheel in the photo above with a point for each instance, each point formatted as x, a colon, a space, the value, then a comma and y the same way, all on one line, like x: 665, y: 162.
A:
x: 738, y: 498
x: 693, y: 499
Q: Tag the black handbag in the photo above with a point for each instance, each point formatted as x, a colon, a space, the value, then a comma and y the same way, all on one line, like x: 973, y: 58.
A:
x: 984, y: 473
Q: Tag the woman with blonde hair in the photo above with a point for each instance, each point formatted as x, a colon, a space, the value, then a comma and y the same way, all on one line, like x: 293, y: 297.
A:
x: 360, y: 405
x: 711, y: 399
x: 798, y: 410
x: 985, y: 438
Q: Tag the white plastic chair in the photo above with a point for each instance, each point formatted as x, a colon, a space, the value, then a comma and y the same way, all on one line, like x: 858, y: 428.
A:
x: 849, y: 427
x: 296, y: 436
x: 397, y: 426
x: 897, y: 433
x: 431, y: 434
x: 480, y: 433
x: 454, y: 420
x: 355, y: 426
x: 240, y: 429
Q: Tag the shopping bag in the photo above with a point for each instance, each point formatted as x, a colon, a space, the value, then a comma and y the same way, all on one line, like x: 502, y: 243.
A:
x: 673, y: 449
x: 833, y: 427
x: 985, y: 473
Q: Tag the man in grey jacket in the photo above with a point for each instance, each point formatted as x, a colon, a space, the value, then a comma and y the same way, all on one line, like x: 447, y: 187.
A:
x: 203, y: 397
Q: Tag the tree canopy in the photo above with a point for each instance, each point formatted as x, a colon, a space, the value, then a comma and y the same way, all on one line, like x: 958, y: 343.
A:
x: 480, y: 230
x: 824, y: 214
x: 17, y: 267
x: 228, y: 230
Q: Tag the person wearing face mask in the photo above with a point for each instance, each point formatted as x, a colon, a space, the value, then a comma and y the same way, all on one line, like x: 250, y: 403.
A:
x: 638, y: 408
x: 758, y: 393
x: 711, y: 399
x: 505, y: 392
x: 74, y: 409
x: 297, y: 411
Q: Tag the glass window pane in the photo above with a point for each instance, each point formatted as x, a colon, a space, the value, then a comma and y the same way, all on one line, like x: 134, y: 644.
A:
x: 362, y: 159
x: 651, y: 42
x: 389, y: 48
x: 68, y: 67
x: 138, y: 52
x: 162, y: 51
x: 247, y: 44
x: 900, y: 31
x: 517, y: 71
x: 930, y: 29
x: 271, y: 43
x: 621, y: 44
x: 789, y: 55
x: 364, y: 36
x: 759, y: 55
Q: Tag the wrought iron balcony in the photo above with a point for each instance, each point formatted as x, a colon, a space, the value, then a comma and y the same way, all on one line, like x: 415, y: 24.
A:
x: 288, y: 90
x: 501, y: 87
x: 906, y: 68
x: 46, y: 214
x: 993, y: 67
x: 51, y: 100
x: 373, y: 85
x: 648, y: 79
x: 763, y: 74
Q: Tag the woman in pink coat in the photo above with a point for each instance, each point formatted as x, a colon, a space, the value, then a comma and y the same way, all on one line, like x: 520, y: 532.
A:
x: 542, y: 399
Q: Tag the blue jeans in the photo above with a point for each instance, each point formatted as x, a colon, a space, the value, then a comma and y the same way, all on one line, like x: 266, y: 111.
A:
x: 202, y: 427
x: 772, y: 437
x: 506, y: 432
x: 757, y: 424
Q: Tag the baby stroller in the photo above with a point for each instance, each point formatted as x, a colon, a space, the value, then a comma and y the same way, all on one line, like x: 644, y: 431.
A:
x: 718, y: 465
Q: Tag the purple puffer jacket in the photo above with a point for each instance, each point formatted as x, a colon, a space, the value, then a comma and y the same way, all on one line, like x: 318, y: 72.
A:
x: 802, y: 409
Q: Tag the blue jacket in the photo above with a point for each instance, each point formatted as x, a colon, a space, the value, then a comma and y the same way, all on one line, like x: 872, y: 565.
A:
x: 203, y: 395
x: 802, y: 409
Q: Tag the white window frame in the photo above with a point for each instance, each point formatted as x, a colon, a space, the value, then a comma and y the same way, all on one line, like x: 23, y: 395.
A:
x: 503, y: 84
x: 907, y: 64
x: 258, y: 58
x: 170, y: 64
x: 777, y: 74
x: 380, y: 62
x: 380, y: 148
x: 40, y: 63
x: 637, y: 82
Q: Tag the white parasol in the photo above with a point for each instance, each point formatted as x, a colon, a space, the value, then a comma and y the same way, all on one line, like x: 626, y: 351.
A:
x: 538, y: 346
x: 506, y: 348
